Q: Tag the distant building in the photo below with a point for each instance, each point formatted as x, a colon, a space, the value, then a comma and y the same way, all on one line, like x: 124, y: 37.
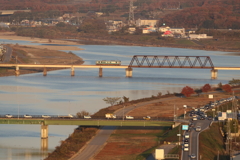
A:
x: 164, y: 28
x: 199, y: 36
x: 146, y: 22
x: 178, y: 31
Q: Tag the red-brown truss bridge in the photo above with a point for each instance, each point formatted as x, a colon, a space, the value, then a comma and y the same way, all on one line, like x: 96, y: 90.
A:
x: 149, y: 61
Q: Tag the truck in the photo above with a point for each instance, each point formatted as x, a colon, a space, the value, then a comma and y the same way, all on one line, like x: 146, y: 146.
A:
x: 65, y: 116
x: 110, y: 116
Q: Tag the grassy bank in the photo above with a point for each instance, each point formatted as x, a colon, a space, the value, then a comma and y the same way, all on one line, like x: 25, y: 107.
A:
x: 72, y: 144
x: 211, y: 143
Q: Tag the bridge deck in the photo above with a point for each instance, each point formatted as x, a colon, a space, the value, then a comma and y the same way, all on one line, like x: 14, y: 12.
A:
x: 85, y: 122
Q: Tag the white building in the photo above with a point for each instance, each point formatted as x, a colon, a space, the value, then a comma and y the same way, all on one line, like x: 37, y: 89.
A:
x: 199, y: 36
x: 146, y: 22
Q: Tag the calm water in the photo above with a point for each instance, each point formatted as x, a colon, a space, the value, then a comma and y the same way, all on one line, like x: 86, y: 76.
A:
x: 59, y: 93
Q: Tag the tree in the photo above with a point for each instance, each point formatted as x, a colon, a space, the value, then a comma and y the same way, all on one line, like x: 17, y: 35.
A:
x: 187, y: 91
x: 125, y: 99
x: 234, y: 82
x: 111, y: 100
x: 220, y: 85
x: 206, y: 88
x: 227, y: 88
x: 82, y: 113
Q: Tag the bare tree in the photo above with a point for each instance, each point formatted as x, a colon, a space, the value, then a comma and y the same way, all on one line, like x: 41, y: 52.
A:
x: 82, y: 113
x: 111, y: 100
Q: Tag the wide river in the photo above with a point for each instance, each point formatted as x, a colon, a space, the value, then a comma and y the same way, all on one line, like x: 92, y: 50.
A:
x: 59, y: 93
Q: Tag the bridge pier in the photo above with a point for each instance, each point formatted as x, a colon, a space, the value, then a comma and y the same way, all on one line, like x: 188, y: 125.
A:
x: 72, y: 71
x: 128, y: 72
x: 214, y: 73
x: 44, y: 144
x: 44, y: 131
x: 100, y: 72
x: 44, y: 71
x: 17, y: 72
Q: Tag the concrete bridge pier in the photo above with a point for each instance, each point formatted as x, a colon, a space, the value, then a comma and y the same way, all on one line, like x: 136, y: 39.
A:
x: 214, y: 73
x: 128, y: 72
x: 44, y: 144
x: 44, y: 71
x: 17, y: 72
x: 100, y: 72
x: 44, y: 131
x: 72, y: 71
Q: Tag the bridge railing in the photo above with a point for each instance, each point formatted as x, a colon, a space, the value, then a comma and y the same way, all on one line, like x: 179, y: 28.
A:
x: 171, y: 156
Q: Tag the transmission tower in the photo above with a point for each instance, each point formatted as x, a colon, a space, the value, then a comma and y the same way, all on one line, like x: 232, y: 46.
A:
x: 131, y: 14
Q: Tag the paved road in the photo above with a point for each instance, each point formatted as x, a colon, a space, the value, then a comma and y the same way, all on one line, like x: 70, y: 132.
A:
x: 194, y: 139
x: 7, y: 54
x: 95, y: 144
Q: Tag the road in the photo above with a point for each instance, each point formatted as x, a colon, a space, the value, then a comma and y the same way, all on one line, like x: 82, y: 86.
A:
x: 7, y: 54
x: 194, y: 139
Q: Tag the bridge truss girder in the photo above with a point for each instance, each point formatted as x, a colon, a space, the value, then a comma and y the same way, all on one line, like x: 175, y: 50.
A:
x: 150, y: 61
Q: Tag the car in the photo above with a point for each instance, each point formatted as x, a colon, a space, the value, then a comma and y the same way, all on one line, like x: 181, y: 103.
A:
x: 129, y: 117
x: 194, y: 118
x: 87, y: 117
x: 193, y: 156
x: 186, y: 135
x: 8, y: 116
x: 147, y: 118
x: 27, y: 116
x: 46, y: 116
x: 202, y: 118
x: 209, y: 118
x: 198, y: 128
x: 186, y: 149
x: 186, y: 140
x: 186, y: 145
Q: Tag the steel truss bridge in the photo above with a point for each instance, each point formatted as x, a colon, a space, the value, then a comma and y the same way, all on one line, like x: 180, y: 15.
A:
x: 151, y: 61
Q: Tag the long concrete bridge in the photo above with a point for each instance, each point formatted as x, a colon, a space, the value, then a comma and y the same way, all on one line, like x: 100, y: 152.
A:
x: 138, y: 61
x: 82, y: 122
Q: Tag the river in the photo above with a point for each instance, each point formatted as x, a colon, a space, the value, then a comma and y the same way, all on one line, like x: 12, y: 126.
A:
x: 59, y: 93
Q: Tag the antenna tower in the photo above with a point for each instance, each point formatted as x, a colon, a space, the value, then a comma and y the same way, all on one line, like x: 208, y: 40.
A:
x: 131, y: 14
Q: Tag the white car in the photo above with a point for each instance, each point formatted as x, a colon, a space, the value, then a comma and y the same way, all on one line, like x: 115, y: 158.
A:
x: 46, y: 116
x: 193, y: 156
x: 186, y: 149
x: 87, y: 117
x: 129, y: 117
x: 198, y: 128
x: 27, y: 116
x: 8, y: 116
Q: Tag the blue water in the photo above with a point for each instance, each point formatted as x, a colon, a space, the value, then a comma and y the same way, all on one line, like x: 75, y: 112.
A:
x: 59, y: 93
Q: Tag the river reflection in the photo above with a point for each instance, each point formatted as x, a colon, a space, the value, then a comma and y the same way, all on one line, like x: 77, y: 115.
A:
x: 59, y: 93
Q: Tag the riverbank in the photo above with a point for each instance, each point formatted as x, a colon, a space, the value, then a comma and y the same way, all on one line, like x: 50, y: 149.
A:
x: 38, y: 55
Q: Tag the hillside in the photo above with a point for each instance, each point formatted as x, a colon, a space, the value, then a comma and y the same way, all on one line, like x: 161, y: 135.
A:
x: 183, y: 13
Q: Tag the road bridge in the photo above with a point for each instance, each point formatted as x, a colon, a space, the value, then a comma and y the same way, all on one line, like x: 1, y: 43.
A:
x: 138, y: 61
x: 82, y: 122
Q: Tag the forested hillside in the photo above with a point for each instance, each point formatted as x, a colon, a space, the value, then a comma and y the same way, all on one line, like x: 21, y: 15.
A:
x: 183, y: 13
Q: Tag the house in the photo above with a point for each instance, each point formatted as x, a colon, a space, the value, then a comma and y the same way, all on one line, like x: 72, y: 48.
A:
x: 146, y: 22
x: 164, y: 29
x: 178, y: 31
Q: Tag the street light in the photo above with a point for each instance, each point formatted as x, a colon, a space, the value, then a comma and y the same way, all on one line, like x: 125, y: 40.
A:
x: 123, y: 112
